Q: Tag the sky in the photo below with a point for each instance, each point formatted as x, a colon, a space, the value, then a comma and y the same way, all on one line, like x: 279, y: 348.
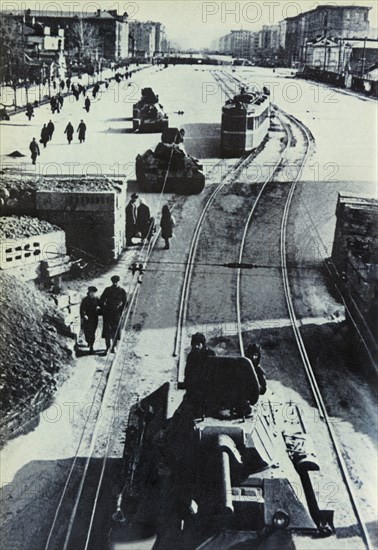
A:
x: 195, y: 23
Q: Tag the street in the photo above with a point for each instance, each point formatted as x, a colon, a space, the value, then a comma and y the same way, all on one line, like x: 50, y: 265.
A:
x: 35, y: 465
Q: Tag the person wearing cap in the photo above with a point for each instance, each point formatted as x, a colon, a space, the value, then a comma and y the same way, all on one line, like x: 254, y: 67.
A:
x: 89, y: 312
x: 195, y: 360
x: 113, y: 301
x: 253, y: 353
x: 131, y: 219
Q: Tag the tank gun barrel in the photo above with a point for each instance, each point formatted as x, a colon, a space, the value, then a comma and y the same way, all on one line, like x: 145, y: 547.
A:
x: 226, y: 489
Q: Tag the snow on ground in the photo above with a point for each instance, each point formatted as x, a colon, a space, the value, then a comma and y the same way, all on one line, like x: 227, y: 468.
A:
x: 345, y: 151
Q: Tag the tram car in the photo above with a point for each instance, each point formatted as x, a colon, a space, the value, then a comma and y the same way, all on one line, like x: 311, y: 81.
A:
x: 148, y: 114
x: 169, y: 168
x: 214, y: 469
x: 245, y: 122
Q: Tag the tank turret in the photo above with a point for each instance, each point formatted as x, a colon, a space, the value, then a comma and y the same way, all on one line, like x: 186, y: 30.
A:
x: 148, y: 113
x: 169, y: 168
x: 221, y: 469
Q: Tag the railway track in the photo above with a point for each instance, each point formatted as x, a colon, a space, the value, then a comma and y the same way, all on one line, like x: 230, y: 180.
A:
x: 288, y: 122
x: 66, y: 540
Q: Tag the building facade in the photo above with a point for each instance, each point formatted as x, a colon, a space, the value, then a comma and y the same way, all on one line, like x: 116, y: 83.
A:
x: 97, y: 34
x: 331, y: 22
x: 142, y: 37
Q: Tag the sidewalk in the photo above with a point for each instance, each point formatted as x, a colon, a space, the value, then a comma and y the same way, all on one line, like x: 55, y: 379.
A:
x: 43, y: 93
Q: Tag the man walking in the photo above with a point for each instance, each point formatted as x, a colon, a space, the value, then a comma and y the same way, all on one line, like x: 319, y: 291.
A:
x: 131, y: 219
x: 70, y: 132
x: 44, y: 135
x: 89, y: 311
x: 113, y: 301
x: 50, y: 128
x: 34, y: 148
x: 81, y: 131
x: 87, y: 104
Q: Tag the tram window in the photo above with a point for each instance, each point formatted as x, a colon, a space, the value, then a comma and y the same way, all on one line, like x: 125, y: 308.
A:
x: 234, y: 124
x: 251, y: 124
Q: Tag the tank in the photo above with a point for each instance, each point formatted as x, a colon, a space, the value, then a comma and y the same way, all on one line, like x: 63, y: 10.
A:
x: 148, y: 114
x: 169, y: 168
x: 214, y: 469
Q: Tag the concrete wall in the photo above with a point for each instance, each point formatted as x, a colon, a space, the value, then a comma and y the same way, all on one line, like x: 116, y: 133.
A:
x: 355, y: 251
x: 94, y: 222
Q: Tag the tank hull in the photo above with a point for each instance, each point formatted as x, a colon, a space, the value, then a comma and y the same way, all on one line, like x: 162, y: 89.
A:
x: 184, y: 178
x: 150, y: 126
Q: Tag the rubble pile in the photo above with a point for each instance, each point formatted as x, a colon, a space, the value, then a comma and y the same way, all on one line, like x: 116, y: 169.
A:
x: 37, y: 355
x: 17, y: 227
x: 18, y: 195
x: 94, y: 184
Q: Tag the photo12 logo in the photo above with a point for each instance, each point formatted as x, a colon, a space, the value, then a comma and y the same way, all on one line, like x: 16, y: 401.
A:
x: 251, y: 12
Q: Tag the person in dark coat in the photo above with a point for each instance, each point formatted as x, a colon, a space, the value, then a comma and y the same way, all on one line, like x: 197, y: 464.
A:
x: 70, y: 132
x: 34, y: 149
x: 87, y: 104
x: 167, y: 223
x: 60, y: 100
x: 62, y: 84
x: 144, y: 221
x: 29, y: 111
x: 89, y: 311
x: 195, y: 361
x: 253, y: 353
x: 131, y: 219
x: 81, y: 129
x: 113, y: 301
x: 53, y: 104
x: 50, y: 128
x: 44, y: 135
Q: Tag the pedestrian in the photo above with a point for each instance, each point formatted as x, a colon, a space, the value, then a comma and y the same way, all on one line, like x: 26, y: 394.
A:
x: 84, y: 90
x: 50, y: 128
x: 34, y: 148
x: 253, y: 353
x: 81, y: 129
x: 195, y: 361
x: 60, y: 100
x: 44, y: 136
x: 29, y: 111
x: 113, y: 301
x: 89, y: 312
x: 167, y: 224
x: 70, y: 132
x: 106, y: 84
x: 143, y: 221
x: 131, y: 219
x: 62, y: 84
x: 53, y: 104
x: 68, y: 84
x: 87, y: 104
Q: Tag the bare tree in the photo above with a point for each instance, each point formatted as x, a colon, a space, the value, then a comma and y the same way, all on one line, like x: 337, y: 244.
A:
x: 12, y: 62
x: 85, y: 38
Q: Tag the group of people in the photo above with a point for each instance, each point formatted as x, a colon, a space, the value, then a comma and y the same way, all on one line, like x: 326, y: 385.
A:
x: 47, y: 134
x: 140, y: 223
x: 110, y: 305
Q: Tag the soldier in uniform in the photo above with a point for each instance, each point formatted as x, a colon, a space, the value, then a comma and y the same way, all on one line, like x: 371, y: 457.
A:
x: 195, y: 361
x: 113, y: 301
x: 131, y: 219
x: 89, y: 312
x: 254, y: 354
x: 34, y: 149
